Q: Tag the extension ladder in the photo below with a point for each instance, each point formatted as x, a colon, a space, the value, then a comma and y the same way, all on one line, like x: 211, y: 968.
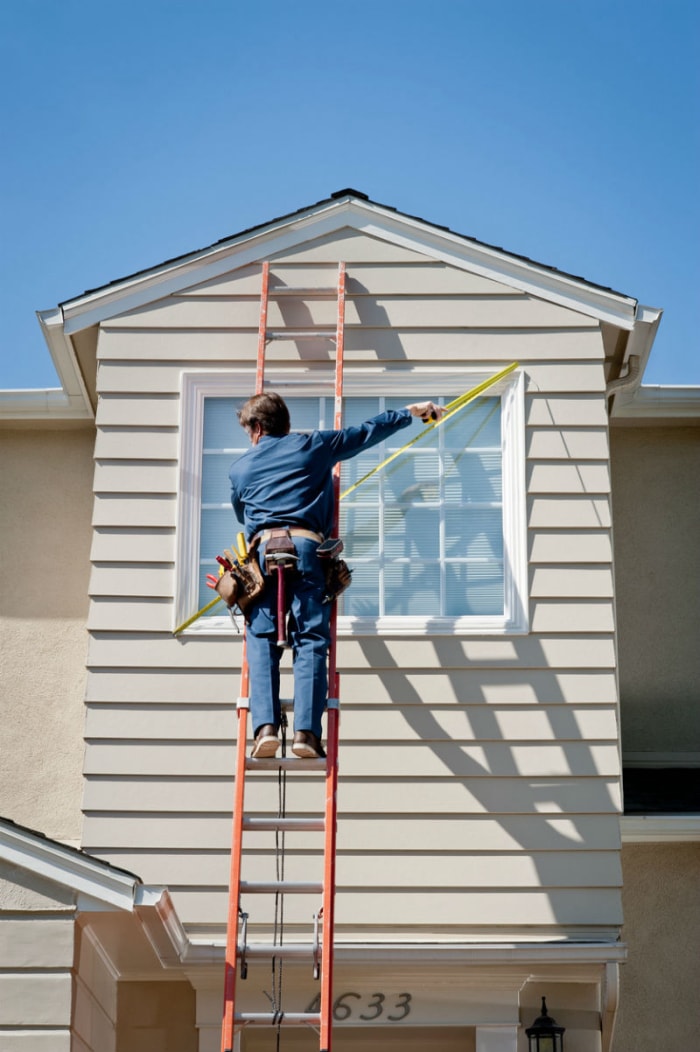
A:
x: 319, y: 953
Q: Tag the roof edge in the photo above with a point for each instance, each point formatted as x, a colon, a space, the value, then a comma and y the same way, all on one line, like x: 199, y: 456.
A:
x: 71, y: 868
x: 538, y: 278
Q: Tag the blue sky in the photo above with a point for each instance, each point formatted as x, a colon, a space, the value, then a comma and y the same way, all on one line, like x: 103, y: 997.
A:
x: 562, y: 130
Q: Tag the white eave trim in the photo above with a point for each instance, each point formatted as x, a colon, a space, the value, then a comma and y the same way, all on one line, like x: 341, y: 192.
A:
x: 88, y: 877
x: 581, y: 955
x: 370, y: 219
x: 647, y: 829
x: 660, y: 401
x: 69, y: 402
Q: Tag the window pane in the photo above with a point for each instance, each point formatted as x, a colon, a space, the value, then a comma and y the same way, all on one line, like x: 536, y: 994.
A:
x: 474, y: 588
x: 412, y: 589
x: 221, y: 425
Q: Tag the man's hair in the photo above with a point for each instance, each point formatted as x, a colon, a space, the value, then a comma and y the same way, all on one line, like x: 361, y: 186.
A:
x: 269, y: 410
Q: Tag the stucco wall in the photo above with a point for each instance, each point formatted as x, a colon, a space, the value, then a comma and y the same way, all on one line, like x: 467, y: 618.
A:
x: 45, y: 515
x: 656, y: 510
x: 659, y: 1003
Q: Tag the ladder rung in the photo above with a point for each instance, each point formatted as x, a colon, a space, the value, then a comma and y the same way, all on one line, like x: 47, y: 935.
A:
x: 284, y: 1019
x: 292, y: 825
x: 290, y: 887
x: 265, y: 951
x: 299, y: 334
x: 286, y: 763
x: 300, y: 290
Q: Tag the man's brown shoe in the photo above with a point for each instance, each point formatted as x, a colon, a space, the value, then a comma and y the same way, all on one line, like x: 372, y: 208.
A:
x: 307, y: 746
x: 266, y: 742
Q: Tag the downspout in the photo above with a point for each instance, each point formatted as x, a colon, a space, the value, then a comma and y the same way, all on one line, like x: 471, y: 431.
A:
x: 630, y: 379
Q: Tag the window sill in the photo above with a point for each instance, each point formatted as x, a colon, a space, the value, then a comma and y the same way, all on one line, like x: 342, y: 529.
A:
x: 352, y: 627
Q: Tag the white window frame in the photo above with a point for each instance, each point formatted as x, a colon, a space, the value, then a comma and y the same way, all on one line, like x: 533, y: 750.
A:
x: 413, y: 384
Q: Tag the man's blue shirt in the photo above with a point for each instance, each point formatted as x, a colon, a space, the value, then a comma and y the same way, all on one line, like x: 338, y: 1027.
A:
x: 287, y: 481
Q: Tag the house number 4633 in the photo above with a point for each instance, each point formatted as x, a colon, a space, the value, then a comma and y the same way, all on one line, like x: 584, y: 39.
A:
x: 352, y: 1005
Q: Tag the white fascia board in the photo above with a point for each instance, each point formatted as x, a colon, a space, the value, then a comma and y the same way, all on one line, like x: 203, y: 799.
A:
x: 161, y: 925
x: 664, y: 829
x: 69, y: 402
x: 94, y: 881
x: 75, y: 403
x: 496, y: 264
x: 372, y: 220
x: 581, y: 955
x: 661, y: 402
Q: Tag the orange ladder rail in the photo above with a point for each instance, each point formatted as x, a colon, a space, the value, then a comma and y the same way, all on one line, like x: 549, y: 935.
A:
x: 323, y: 1019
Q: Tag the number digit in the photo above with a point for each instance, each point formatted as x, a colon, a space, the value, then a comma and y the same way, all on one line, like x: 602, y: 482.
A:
x: 376, y: 1002
x: 403, y: 1003
x: 315, y: 1005
x: 340, y: 1009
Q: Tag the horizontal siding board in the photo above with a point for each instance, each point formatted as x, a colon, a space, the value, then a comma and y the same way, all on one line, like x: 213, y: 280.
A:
x: 148, y: 838
x: 590, y: 546
x: 154, y: 410
x: 439, y: 759
x: 584, y: 443
x: 572, y: 477
x: 417, y: 278
x: 135, y: 476
x: 571, y: 582
x: 121, y: 649
x: 142, y: 443
x: 147, y: 614
x: 568, y: 411
x: 192, y: 796
x: 133, y: 545
x: 124, y: 510
x: 582, y: 616
x: 570, y: 512
x: 35, y: 999
x: 128, y: 366
x: 409, y: 723
x: 432, y: 908
x: 119, y: 580
x: 510, y: 311
x: 395, y: 866
x: 29, y: 942
x: 491, y: 686
x: 566, y: 800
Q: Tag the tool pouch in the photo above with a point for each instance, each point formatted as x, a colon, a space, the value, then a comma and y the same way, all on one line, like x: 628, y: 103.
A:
x: 280, y: 551
x: 337, y: 573
x: 242, y: 584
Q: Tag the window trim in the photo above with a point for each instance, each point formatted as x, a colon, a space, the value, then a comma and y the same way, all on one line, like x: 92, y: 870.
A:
x: 414, y: 384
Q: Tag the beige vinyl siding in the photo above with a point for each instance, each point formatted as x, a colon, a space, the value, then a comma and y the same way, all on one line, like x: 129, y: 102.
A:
x: 479, y: 764
x: 35, y: 980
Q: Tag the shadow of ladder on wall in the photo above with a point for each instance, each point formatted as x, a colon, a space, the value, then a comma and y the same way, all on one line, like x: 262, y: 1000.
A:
x: 319, y: 953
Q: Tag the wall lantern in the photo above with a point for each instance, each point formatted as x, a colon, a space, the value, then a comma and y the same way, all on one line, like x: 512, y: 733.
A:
x: 544, y: 1035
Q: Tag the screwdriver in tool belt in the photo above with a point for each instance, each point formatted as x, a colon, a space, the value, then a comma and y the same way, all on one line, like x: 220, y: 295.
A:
x: 241, y: 548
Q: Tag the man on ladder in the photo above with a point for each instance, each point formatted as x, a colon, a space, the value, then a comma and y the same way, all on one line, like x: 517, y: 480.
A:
x: 282, y: 490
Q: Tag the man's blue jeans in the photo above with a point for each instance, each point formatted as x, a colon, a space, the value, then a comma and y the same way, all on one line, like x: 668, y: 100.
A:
x: 309, y: 620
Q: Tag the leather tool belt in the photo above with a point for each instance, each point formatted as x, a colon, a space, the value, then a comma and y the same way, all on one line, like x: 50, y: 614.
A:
x: 294, y: 531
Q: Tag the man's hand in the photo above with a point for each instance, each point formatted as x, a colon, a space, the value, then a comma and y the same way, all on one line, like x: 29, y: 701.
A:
x: 427, y: 411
